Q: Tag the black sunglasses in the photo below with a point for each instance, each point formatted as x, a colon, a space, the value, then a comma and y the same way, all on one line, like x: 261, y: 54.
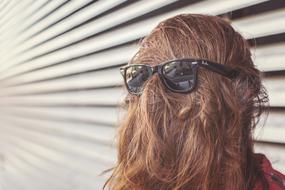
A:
x: 178, y: 75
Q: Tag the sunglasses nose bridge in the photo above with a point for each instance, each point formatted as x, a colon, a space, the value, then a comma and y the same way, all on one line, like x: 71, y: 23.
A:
x: 154, y: 69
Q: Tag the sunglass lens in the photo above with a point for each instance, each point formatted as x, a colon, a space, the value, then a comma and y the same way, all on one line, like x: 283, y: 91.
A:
x: 136, y: 76
x: 179, y: 75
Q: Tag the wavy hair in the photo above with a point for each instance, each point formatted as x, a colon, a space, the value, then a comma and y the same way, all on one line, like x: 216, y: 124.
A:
x: 202, y: 140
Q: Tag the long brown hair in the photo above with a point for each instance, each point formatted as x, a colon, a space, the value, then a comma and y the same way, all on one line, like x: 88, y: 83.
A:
x: 202, y: 140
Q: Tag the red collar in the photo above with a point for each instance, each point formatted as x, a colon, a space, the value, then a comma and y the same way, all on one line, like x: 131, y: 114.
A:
x: 276, y: 179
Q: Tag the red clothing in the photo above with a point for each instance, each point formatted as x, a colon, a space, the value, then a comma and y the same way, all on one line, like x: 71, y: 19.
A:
x: 276, y: 179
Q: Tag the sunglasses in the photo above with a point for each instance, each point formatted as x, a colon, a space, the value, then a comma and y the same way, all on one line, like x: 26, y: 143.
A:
x: 178, y: 75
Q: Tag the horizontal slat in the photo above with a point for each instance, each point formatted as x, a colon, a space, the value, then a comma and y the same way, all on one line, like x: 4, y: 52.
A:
x: 274, y: 119
x: 89, y: 80
x: 264, y: 24
x: 21, y: 177
x: 270, y: 134
x: 72, y: 114
x: 50, y: 167
x: 276, y: 90
x: 101, y: 153
x: 23, y: 172
x: 270, y: 57
x: 111, y: 96
x: 93, y: 133
x: 65, y: 162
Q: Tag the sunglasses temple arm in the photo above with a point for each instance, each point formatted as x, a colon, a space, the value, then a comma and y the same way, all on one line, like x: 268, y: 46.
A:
x: 122, y: 71
x: 218, y: 68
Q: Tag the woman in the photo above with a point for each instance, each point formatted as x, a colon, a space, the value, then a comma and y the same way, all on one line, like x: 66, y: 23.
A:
x: 194, y: 100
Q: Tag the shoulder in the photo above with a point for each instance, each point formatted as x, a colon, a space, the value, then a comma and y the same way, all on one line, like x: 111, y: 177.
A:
x: 275, y: 178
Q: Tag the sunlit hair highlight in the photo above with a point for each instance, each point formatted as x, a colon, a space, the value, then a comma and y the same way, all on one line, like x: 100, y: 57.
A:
x: 202, y: 140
